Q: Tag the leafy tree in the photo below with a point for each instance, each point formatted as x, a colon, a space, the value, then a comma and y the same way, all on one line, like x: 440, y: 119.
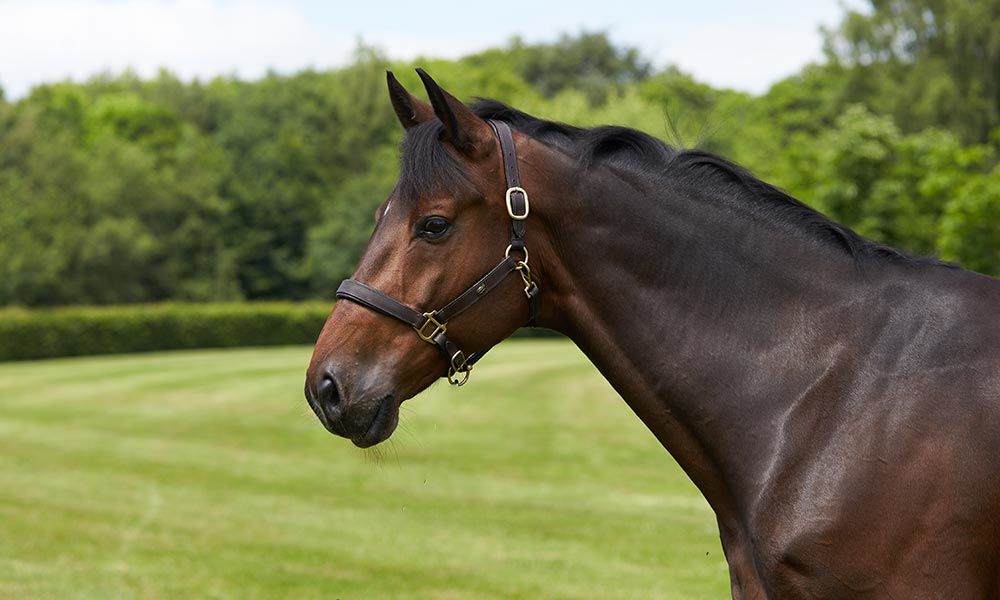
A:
x: 970, y: 226
x: 121, y: 189
x: 890, y: 186
x: 926, y: 62
x: 102, y: 200
x: 588, y: 62
x: 337, y: 241
x: 39, y: 215
x: 696, y: 114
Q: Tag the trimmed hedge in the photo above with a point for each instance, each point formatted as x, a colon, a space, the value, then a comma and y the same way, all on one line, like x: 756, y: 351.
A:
x: 77, y: 331
x: 48, y: 333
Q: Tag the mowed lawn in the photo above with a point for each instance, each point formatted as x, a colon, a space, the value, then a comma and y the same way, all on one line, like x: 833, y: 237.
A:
x: 205, y: 475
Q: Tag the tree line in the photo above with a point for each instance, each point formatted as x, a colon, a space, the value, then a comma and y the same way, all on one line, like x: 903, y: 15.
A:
x: 120, y: 189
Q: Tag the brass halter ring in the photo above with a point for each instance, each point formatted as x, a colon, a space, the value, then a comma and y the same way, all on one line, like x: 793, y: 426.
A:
x: 506, y: 253
x: 453, y: 371
x: 454, y: 379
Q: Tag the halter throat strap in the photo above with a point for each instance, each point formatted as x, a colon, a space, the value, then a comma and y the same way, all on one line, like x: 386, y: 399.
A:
x: 432, y: 326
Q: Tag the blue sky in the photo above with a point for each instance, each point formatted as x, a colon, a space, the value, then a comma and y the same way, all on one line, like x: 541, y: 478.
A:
x: 743, y: 45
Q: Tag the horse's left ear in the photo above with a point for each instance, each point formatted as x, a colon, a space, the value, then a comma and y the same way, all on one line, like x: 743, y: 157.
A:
x: 470, y: 134
x: 410, y: 110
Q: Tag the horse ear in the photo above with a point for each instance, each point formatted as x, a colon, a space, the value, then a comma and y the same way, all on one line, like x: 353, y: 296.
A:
x: 465, y: 129
x: 410, y: 109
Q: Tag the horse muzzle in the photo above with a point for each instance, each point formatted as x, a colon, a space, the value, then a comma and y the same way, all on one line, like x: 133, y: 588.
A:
x: 366, y: 420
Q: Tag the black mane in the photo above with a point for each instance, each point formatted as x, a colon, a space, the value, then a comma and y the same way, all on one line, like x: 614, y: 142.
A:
x: 427, y: 167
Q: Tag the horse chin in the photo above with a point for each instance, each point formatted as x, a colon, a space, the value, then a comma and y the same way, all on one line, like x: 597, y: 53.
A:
x: 383, y: 423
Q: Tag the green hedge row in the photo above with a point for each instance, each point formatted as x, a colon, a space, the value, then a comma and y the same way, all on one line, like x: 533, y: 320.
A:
x: 47, y: 333
x: 75, y: 331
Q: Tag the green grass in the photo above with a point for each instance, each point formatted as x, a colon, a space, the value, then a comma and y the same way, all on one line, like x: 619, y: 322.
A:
x: 204, y: 475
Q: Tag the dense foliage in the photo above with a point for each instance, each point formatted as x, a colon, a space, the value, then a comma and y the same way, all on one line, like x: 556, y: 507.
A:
x: 127, y: 190
x: 76, y: 331
x: 124, y: 329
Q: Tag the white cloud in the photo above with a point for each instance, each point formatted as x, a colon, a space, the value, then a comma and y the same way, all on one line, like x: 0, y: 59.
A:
x: 51, y: 40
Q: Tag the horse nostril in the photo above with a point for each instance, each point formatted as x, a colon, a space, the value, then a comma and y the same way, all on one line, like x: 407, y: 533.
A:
x: 326, y: 392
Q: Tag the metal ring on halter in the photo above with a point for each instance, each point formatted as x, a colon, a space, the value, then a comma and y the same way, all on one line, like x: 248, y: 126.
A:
x: 506, y: 253
x: 459, y: 367
x: 453, y: 376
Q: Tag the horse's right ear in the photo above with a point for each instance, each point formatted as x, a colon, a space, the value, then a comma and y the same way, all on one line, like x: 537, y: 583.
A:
x: 410, y: 109
x: 465, y: 130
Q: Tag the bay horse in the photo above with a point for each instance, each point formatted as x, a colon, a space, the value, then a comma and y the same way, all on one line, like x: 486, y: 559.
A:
x: 835, y: 400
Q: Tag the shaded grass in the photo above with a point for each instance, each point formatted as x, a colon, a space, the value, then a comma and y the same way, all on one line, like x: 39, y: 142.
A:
x: 204, y: 474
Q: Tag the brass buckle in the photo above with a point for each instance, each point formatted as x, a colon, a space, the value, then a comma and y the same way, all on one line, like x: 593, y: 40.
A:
x: 510, y: 209
x: 438, y: 327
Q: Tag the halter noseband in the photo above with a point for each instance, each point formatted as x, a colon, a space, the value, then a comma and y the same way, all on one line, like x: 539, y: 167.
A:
x: 432, y: 326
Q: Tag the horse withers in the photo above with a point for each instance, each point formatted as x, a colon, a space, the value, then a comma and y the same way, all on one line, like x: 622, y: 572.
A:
x: 835, y: 400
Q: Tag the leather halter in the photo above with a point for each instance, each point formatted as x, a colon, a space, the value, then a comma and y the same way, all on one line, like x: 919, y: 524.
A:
x: 432, y: 326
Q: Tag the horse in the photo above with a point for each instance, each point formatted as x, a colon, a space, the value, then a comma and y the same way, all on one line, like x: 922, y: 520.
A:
x: 836, y: 401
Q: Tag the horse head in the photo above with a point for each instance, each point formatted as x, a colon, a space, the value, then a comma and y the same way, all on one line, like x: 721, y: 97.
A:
x: 445, y: 275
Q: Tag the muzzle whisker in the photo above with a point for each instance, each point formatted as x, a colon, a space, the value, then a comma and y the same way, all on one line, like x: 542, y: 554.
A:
x: 374, y: 456
x: 405, y: 425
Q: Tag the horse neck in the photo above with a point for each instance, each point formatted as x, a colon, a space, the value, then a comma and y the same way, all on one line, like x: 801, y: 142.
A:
x: 694, y: 311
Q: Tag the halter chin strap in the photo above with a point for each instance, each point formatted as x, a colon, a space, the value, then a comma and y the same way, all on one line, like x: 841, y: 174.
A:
x: 432, y: 326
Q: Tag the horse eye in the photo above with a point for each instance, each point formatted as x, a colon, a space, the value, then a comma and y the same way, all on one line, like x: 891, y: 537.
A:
x: 434, y: 227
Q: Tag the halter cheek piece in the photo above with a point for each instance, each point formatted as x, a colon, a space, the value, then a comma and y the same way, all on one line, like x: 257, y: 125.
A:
x: 432, y: 326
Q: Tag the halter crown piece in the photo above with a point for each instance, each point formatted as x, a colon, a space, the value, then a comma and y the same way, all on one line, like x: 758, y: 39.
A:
x: 432, y: 326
